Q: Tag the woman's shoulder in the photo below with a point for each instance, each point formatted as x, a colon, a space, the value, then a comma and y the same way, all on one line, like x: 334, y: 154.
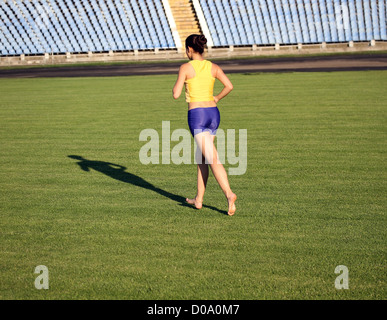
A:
x: 214, y: 68
x: 185, y: 66
x: 187, y: 70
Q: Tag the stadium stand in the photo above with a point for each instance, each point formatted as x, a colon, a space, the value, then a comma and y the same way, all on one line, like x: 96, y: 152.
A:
x: 264, y: 22
x: 37, y: 27
x: 62, y: 26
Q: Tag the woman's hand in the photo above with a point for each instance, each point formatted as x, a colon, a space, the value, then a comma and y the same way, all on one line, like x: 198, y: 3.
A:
x: 216, y: 99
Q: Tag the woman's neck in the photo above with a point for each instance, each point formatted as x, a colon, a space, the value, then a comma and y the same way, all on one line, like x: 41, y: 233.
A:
x: 197, y: 56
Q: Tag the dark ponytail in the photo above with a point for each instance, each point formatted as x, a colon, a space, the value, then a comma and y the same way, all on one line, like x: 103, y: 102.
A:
x: 197, y: 42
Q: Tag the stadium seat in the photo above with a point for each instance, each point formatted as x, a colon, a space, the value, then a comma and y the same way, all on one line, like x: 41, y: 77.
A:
x: 382, y: 20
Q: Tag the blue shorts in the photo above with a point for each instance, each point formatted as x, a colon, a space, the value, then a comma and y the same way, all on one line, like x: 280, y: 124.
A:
x: 203, y: 119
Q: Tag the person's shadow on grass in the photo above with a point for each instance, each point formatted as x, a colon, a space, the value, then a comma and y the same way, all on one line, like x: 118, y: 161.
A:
x: 118, y: 172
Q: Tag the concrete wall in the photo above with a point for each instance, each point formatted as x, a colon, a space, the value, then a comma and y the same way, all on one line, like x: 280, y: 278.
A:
x: 174, y: 54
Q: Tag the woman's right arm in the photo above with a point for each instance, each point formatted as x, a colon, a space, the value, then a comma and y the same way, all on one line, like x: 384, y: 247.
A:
x: 225, y: 81
x: 178, y: 87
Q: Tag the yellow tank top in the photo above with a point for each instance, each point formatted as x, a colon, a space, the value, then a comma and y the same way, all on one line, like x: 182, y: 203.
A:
x: 201, y: 87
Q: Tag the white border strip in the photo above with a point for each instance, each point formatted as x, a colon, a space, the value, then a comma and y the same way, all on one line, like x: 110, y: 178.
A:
x: 203, y: 23
x: 172, y: 23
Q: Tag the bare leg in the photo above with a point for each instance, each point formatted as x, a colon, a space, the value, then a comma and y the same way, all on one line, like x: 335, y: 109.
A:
x: 202, y: 183
x: 206, y: 144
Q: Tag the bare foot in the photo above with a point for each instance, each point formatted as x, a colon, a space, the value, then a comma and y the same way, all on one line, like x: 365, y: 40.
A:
x: 197, y: 203
x: 231, y: 204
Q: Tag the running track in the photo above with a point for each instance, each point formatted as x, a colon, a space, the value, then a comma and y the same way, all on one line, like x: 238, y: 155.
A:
x: 277, y: 64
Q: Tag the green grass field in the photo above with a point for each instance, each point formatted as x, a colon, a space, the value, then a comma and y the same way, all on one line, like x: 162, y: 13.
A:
x: 313, y: 196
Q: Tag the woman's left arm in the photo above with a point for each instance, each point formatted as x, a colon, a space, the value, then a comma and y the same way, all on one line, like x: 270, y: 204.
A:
x: 178, y: 87
x: 228, y: 87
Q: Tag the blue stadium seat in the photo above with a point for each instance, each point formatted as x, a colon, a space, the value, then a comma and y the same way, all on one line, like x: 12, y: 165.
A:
x: 268, y: 24
x: 138, y: 40
x: 282, y: 30
x: 218, y: 27
x: 221, y: 22
x: 229, y: 23
x: 260, y: 23
x: 158, y: 28
x: 310, y: 22
x: 274, y: 21
x: 210, y: 23
x: 250, y: 16
x: 375, y: 22
x: 24, y: 29
x: 382, y: 20
x: 339, y: 20
x: 291, y: 36
x: 78, y: 42
x: 346, y: 21
x: 130, y: 38
x: 164, y: 24
x: 108, y: 38
x: 117, y: 27
x: 11, y: 33
x: 152, y: 32
x: 317, y: 21
x: 324, y: 22
x: 95, y: 44
x: 367, y: 19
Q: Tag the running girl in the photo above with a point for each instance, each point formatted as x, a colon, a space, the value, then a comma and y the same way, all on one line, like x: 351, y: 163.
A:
x: 198, y: 76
